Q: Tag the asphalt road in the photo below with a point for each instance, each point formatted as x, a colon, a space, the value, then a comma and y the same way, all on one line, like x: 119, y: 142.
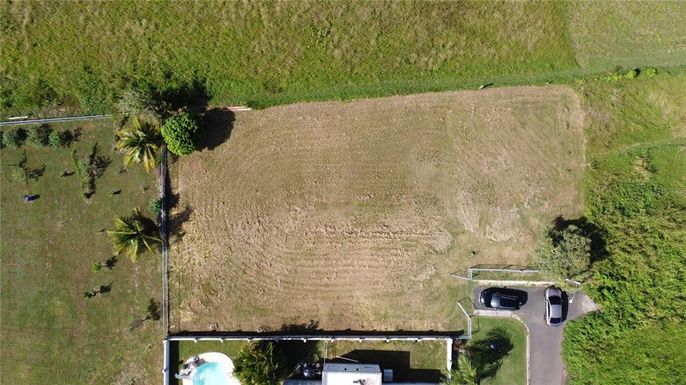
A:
x: 546, y: 367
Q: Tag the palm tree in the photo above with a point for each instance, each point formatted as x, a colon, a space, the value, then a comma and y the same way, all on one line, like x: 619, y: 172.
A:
x: 258, y: 364
x: 139, y: 141
x: 464, y: 374
x: 130, y: 234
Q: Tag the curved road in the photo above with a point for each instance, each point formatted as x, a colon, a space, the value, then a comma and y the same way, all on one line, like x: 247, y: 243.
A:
x: 545, y: 342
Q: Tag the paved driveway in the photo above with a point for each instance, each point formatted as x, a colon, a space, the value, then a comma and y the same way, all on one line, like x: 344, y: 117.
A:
x: 545, y: 341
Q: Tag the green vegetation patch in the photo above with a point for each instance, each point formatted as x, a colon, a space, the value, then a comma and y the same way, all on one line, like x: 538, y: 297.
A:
x: 635, y: 193
x: 55, y: 249
x: 268, y: 52
x: 606, y: 34
x: 428, y: 357
x: 512, y: 369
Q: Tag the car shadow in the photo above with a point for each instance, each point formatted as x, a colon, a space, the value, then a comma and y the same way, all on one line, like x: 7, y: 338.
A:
x: 565, y: 306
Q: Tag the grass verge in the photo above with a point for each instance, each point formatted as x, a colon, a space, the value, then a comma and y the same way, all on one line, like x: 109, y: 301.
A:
x: 512, y: 370
x: 49, y: 331
x: 269, y: 52
x: 635, y: 192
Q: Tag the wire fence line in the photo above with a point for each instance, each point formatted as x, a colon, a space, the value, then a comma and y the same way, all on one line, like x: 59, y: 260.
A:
x: 506, y: 269
x: 164, y: 236
x: 24, y: 122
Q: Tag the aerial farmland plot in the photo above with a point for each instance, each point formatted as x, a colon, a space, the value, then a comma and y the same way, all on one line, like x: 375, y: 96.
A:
x: 353, y: 214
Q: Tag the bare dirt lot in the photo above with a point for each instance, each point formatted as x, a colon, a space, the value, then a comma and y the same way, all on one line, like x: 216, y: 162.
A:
x: 354, y: 213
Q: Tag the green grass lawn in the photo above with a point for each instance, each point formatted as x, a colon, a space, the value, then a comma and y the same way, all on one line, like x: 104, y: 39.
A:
x: 270, y: 52
x: 631, y: 34
x: 513, y: 368
x: 410, y: 361
x: 50, y: 333
x: 265, y: 53
x: 636, y: 193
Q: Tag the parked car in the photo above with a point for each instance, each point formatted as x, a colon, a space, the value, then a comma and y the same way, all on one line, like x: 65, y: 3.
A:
x: 553, y: 306
x: 502, y: 298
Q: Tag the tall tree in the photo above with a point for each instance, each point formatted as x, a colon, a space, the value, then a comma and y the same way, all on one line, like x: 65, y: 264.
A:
x: 257, y: 364
x: 564, y: 253
x: 133, y: 234
x: 139, y: 142
x: 464, y: 374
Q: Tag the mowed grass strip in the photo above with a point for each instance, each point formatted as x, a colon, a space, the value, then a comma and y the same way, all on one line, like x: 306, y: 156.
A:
x: 50, y: 333
x: 267, y: 52
x: 631, y: 34
x: 354, y: 214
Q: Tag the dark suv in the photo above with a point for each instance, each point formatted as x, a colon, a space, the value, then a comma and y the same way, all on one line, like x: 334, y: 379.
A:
x: 502, y: 298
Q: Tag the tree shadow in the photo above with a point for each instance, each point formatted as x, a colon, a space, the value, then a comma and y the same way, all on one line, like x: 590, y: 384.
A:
x: 588, y: 229
x: 216, y: 127
x: 176, y: 222
x: 70, y: 137
x: 172, y: 197
x: 104, y: 289
x: 111, y: 262
x: 35, y: 173
x: 192, y: 95
x: 487, y: 354
x: 153, y: 311
x: 398, y: 361
x: 294, y: 353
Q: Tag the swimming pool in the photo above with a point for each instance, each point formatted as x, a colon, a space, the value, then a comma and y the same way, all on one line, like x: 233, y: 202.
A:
x: 210, y: 373
x: 210, y: 368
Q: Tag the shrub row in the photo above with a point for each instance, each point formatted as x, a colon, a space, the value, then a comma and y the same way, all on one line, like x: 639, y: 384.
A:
x: 40, y: 136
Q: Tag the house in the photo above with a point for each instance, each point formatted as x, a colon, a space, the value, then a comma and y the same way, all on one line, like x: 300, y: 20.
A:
x: 352, y: 374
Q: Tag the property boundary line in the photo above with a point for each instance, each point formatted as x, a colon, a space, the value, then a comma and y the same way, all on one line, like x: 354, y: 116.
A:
x: 313, y: 337
x: 165, y: 239
x: 52, y: 120
x: 508, y: 269
x: 164, y: 235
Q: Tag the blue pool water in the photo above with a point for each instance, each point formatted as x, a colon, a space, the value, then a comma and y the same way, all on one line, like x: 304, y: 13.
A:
x: 211, y: 373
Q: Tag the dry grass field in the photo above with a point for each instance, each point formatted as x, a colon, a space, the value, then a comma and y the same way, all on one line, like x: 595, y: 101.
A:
x: 353, y: 214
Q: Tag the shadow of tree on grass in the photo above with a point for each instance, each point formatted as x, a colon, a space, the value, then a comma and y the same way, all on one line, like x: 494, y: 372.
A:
x: 487, y: 354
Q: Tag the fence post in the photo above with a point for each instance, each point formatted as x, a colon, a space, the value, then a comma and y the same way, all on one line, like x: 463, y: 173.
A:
x: 469, y: 322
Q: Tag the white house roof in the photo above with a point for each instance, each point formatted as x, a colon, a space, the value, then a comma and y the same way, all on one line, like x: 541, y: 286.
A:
x: 351, y: 374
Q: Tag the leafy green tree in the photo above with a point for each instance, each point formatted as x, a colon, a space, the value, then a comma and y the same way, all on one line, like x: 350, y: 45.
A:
x: 258, y: 365
x: 59, y: 139
x: 54, y: 139
x: 180, y: 133
x: 139, y: 142
x: 39, y: 136
x: 155, y: 206
x: 565, y: 253
x: 464, y: 374
x: 135, y: 102
x: 14, y: 137
x: 133, y: 234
